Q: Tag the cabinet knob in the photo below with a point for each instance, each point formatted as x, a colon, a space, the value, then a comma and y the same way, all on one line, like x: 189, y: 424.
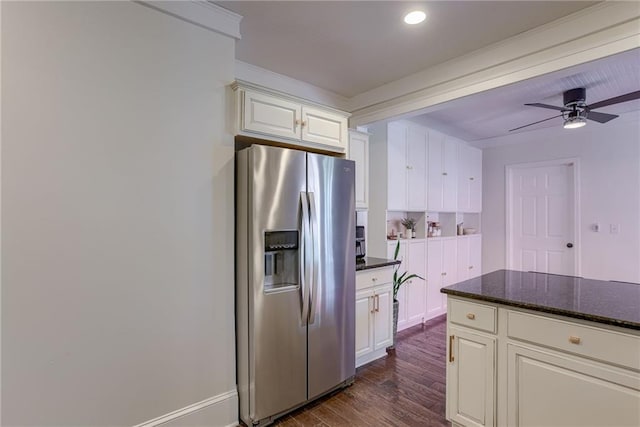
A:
x: 574, y: 340
x: 297, y: 121
x: 471, y: 178
x: 471, y: 316
x: 409, y: 167
x: 444, y: 173
x: 471, y: 267
x: 444, y: 274
x: 304, y: 123
x: 374, y: 279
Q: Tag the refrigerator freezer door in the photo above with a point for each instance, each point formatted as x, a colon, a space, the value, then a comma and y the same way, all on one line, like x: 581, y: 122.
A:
x: 277, y: 334
x: 331, y: 326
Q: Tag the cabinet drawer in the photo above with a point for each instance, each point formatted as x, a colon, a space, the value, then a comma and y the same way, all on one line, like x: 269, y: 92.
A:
x: 376, y: 276
x: 477, y: 316
x: 601, y: 344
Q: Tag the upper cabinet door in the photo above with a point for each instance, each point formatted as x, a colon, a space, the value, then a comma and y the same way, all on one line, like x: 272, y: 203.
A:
x: 469, y: 179
x: 271, y: 115
x: 476, y: 180
x: 435, y: 171
x: 359, y: 153
x: 450, y: 175
x: 464, y: 181
x: 397, y: 167
x: 324, y: 127
x: 416, y: 169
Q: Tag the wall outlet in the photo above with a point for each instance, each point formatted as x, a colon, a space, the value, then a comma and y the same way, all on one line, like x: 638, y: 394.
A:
x: 614, y: 228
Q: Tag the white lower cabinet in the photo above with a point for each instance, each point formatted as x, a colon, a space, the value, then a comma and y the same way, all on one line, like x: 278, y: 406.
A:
x: 469, y: 257
x: 442, y: 271
x: 374, y: 314
x: 412, y: 296
x: 523, y: 368
x: 471, y: 378
x: 548, y: 389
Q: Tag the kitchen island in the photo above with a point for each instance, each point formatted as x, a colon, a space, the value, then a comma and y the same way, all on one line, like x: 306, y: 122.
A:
x: 537, y: 349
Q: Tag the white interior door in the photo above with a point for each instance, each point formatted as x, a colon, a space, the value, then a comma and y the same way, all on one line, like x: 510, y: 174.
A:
x: 541, y: 218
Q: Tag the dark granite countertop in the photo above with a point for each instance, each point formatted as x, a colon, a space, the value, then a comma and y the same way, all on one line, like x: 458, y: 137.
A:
x: 368, y: 262
x: 613, y: 303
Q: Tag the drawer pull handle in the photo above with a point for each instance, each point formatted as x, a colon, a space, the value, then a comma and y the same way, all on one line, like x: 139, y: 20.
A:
x: 373, y: 303
x: 374, y: 279
x: 574, y: 340
x: 471, y: 267
x: 444, y: 274
x: 471, y: 316
x: 451, y: 359
x: 444, y: 173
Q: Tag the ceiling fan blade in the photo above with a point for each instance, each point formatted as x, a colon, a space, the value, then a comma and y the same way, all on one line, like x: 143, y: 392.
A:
x: 616, y: 100
x: 600, y: 117
x: 535, y: 123
x: 551, y: 107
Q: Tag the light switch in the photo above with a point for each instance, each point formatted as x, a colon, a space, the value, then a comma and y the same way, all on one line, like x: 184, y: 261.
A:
x: 614, y: 228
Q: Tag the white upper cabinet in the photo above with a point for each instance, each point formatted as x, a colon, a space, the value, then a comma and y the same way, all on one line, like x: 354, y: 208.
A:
x: 359, y: 153
x: 407, y: 164
x: 469, y: 179
x: 416, y: 168
x: 396, y: 174
x: 442, y: 173
x: 324, y: 127
x: 270, y: 115
x: 266, y: 114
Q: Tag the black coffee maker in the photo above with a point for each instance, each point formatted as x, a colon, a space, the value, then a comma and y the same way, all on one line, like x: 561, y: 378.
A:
x: 360, y: 242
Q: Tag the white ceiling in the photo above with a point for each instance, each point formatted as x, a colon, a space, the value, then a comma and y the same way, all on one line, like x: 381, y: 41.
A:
x: 350, y: 47
x: 492, y: 113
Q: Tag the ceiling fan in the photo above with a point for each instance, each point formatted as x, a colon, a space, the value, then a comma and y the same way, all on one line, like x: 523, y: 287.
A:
x: 576, y: 111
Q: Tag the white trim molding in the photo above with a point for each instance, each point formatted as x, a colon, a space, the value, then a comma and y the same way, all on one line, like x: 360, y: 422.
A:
x: 204, y: 14
x: 285, y: 84
x: 599, y: 31
x: 220, y: 410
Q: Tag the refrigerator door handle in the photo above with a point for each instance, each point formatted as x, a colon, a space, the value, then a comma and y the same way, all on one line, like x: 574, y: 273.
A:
x: 305, y: 257
x: 315, y: 238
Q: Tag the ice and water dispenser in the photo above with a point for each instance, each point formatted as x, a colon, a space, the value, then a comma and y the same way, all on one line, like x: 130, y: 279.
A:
x: 281, y: 260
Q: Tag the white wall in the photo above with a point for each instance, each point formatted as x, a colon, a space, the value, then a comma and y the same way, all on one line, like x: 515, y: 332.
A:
x: 117, y: 215
x: 610, y: 192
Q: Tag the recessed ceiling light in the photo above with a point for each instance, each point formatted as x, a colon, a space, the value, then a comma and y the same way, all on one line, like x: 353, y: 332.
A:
x: 415, y: 17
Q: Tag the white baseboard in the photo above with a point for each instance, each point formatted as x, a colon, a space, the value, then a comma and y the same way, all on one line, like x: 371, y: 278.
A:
x: 220, y: 410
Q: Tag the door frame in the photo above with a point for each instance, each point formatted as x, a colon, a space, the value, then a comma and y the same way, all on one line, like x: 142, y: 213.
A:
x: 568, y: 161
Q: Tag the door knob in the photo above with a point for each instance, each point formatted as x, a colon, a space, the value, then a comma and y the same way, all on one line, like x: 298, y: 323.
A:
x: 569, y: 245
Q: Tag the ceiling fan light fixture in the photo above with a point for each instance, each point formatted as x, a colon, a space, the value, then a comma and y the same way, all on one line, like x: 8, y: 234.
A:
x: 574, y: 122
x: 415, y: 17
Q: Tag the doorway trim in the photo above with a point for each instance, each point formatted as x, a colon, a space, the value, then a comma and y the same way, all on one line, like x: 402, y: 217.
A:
x: 573, y: 161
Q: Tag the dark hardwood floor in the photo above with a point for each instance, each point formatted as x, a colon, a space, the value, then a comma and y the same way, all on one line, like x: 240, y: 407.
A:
x: 402, y: 389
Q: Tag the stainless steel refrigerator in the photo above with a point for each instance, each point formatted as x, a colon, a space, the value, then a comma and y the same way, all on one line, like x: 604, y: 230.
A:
x: 295, y: 278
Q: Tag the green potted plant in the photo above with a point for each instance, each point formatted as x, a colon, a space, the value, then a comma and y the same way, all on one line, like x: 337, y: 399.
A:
x: 410, y: 224
x: 398, y: 281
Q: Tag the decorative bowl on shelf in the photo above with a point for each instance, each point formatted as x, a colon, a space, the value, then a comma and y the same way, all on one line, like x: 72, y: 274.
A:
x: 466, y: 231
